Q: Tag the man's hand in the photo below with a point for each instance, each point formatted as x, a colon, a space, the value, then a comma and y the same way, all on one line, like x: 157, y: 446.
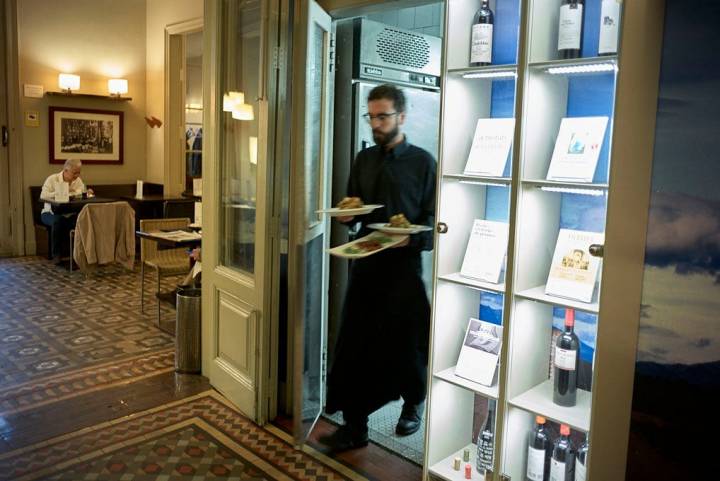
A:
x: 345, y: 218
x: 90, y: 193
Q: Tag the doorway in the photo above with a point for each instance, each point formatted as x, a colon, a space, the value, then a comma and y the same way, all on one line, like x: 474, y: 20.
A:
x: 423, y: 20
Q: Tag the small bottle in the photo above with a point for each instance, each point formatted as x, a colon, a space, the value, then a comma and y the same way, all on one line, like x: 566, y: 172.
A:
x: 570, y: 28
x: 609, y: 27
x: 481, y: 38
x: 486, y: 441
x: 566, y: 362
x: 539, y: 452
x: 581, y: 460
x: 562, y: 464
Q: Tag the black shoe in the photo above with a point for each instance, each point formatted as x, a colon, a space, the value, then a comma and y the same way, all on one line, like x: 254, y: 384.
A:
x: 410, y: 419
x: 345, y: 438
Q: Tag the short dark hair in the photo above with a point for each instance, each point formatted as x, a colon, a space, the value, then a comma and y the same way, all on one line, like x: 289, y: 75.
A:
x: 389, y: 92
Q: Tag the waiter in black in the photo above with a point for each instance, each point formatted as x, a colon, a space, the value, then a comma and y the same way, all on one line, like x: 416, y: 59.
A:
x: 382, y: 348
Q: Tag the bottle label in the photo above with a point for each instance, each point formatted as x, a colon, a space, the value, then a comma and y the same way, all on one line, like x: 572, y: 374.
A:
x: 557, y: 470
x: 580, y: 469
x: 609, y: 26
x: 535, y: 464
x: 565, y: 359
x: 481, y: 44
x: 570, y: 27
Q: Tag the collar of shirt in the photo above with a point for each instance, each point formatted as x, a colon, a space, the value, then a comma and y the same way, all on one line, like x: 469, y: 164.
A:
x: 399, y: 149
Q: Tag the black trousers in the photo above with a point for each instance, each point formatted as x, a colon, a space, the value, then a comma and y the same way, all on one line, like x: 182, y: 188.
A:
x: 60, y: 227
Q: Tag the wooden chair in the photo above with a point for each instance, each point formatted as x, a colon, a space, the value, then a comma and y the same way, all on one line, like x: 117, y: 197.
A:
x: 165, y: 262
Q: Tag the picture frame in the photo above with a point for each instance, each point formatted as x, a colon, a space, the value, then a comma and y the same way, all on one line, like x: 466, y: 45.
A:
x: 89, y: 135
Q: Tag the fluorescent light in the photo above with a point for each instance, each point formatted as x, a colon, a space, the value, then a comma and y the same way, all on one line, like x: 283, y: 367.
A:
x: 243, y: 112
x: 573, y: 190
x: 491, y: 74
x: 117, y: 86
x: 69, y: 82
x: 483, y: 182
x: 583, y: 68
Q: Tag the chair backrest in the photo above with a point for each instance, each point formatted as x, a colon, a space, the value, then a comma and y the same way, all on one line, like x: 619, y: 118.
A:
x: 148, y: 248
x: 175, y: 209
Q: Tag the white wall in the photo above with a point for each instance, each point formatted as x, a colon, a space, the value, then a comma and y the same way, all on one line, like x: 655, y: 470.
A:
x: 160, y: 14
x: 96, y: 39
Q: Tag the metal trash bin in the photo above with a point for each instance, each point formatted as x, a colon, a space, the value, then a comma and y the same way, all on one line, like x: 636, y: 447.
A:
x: 187, y: 330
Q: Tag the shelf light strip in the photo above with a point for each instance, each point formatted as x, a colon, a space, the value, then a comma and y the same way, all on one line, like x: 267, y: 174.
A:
x: 571, y: 190
x: 494, y: 74
x: 483, y: 182
x: 587, y: 68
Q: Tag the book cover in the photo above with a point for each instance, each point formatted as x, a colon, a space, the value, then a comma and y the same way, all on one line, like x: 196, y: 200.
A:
x: 577, y: 148
x: 485, y: 252
x: 490, y: 147
x: 480, y: 351
x: 573, y: 271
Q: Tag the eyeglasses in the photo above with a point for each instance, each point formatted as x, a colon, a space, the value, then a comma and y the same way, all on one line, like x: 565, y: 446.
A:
x: 381, y: 117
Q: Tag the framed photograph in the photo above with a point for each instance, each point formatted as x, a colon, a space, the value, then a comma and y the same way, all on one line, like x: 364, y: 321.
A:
x: 92, y: 136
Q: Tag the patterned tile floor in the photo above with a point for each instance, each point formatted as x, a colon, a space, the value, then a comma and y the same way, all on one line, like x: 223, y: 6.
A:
x: 201, y: 437
x: 63, y: 334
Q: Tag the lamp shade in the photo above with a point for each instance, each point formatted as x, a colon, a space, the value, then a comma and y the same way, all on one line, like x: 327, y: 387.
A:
x: 117, y: 86
x: 243, y: 112
x: 68, y: 81
x: 231, y: 99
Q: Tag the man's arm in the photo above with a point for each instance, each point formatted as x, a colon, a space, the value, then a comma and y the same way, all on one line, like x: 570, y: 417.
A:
x: 48, y: 190
x: 424, y: 241
x: 353, y: 190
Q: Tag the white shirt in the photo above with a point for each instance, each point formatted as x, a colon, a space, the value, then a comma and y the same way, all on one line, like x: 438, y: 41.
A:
x: 50, y: 187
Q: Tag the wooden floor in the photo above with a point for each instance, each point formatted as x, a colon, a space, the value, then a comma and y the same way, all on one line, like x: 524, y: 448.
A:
x: 76, y: 357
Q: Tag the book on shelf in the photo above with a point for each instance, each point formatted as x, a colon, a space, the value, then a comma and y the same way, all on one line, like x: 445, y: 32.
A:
x: 490, y: 147
x: 577, y: 149
x: 485, y: 252
x: 480, y: 352
x: 573, y: 270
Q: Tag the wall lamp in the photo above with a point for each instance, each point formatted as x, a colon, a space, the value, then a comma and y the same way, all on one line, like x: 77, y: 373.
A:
x: 117, y: 86
x: 68, y: 82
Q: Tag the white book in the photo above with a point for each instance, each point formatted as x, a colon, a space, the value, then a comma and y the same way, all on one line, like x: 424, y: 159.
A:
x: 139, y: 189
x: 480, y: 352
x: 577, y: 149
x: 485, y: 252
x: 198, y: 213
x: 490, y: 147
x: 197, y: 187
x: 573, y: 271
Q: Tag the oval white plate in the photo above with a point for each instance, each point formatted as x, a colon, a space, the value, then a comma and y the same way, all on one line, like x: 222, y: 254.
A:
x: 413, y: 229
x: 335, y: 212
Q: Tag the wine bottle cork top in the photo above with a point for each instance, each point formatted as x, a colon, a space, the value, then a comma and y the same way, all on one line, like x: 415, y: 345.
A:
x: 539, y: 419
x: 565, y: 430
x: 569, y: 317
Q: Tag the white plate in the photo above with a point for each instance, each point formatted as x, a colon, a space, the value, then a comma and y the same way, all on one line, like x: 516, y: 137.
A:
x: 413, y: 229
x: 348, y: 251
x: 335, y: 212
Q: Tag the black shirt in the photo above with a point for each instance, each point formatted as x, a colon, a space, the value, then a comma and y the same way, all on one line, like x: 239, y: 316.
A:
x: 403, y: 180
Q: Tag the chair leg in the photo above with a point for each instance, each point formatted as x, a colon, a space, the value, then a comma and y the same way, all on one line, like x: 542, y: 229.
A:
x: 157, y: 295
x: 142, y: 288
x: 72, y: 247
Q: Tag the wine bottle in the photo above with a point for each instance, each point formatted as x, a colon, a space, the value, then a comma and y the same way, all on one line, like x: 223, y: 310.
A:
x: 539, y: 452
x: 566, y: 361
x: 609, y: 27
x: 562, y: 463
x: 481, y: 37
x: 581, y: 460
x: 570, y: 28
x: 485, y: 442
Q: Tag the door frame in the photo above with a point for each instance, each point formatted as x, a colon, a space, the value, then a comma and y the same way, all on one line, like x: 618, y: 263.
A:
x: 15, y: 150
x: 175, y: 85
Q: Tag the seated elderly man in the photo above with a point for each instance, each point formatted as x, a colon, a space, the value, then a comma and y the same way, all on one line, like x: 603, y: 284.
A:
x: 61, y: 224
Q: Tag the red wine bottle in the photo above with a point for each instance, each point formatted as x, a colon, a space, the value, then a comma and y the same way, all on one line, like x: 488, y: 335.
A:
x: 570, y: 28
x: 482, y: 36
x: 562, y: 464
x: 539, y: 452
x: 581, y: 460
x: 566, y: 362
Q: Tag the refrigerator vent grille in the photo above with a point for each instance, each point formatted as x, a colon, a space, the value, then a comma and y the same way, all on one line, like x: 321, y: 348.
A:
x: 403, y: 48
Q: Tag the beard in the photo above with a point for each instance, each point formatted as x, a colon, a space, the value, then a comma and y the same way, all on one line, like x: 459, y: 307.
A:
x: 383, y: 139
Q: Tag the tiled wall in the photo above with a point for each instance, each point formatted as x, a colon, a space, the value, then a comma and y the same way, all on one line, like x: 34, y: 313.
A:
x: 427, y: 19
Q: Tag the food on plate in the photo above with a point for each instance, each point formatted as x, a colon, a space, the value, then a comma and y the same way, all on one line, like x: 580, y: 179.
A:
x: 350, y: 203
x: 399, y: 220
x: 366, y: 246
